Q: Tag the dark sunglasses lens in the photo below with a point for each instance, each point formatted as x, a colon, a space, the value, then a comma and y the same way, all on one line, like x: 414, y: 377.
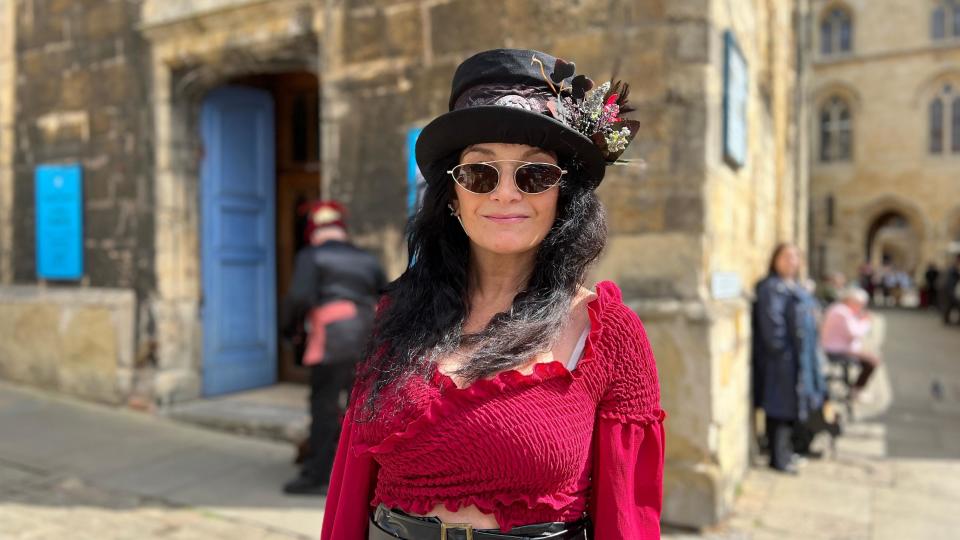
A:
x: 537, y: 177
x: 476, y: 177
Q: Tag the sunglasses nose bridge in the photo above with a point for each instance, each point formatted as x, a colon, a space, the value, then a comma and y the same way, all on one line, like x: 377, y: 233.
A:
x: 507, y: 179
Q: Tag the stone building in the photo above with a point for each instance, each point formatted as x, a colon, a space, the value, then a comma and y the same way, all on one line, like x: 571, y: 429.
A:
x: 158, y: 101
x: 885, y: 118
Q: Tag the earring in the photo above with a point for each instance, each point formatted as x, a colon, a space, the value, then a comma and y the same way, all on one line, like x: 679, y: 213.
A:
x: 456, y: 214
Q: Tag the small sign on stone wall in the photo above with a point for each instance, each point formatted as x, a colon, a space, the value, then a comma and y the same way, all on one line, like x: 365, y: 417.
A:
x: 59, y: 205
x: 725, y: 285
x: 416, y: 184
x: 736, y: 79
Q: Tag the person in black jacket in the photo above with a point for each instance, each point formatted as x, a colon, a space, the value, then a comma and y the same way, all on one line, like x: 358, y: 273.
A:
x: 787, y: 381
x: 334, y: 293
x: 949, y: 297
x: 931, y: 277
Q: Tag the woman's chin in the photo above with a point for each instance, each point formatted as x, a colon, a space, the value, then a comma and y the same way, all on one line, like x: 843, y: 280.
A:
x: 512, y: 247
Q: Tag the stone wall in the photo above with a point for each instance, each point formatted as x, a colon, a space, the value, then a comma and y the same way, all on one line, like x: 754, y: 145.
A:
x: 700, y: 217
x: 78, y: 341
x: 81, y: 93
x: 401, y: 80
x: 8, y: 73
x: 748, y: 211
x: 888, y: 84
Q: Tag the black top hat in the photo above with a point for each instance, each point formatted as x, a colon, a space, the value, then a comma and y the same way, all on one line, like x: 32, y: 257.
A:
x: 529, y: 97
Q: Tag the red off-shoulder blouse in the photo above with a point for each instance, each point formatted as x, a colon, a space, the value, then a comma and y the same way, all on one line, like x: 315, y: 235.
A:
x: 553, y: 445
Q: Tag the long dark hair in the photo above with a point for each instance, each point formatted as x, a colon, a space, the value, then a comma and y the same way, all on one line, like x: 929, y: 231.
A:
x: 426, y: 307
x: 780, y: 248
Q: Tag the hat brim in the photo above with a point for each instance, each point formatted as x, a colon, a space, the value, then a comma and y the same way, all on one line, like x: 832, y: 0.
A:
x: 452, y: 132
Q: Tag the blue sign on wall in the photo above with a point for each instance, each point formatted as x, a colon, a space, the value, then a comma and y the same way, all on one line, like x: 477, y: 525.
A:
x: 736, y: 81
x: 416, y: 184
x: 59, y: 202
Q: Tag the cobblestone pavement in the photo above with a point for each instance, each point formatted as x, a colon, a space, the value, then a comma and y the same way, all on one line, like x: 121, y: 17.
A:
x: 895, y: 473
x: 71, y: 470
x: 38, y: 506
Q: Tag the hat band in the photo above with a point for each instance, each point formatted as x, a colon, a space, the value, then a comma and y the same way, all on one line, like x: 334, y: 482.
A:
x: 504, y: 95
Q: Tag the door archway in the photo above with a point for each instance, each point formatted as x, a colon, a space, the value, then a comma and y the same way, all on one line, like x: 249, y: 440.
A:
x: 892, y: 239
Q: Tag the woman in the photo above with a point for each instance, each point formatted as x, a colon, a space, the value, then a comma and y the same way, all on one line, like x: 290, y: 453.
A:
x: 501, y: 398
x: 788, y: 381
x: 845, y: 325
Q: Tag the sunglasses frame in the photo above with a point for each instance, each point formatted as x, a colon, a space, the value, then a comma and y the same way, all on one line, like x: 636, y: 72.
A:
x: 451, y: 172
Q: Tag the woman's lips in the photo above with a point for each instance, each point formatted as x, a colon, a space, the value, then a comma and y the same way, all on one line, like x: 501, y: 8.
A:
x: 506, y: 218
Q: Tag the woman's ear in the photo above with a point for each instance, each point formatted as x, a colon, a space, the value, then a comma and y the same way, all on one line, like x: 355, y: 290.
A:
x: 454, y: 206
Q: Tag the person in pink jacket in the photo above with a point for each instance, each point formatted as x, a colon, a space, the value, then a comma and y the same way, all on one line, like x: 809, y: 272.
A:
x: 844, y: 326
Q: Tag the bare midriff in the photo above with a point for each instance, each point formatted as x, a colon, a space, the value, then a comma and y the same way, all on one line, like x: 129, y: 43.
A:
x: 468, y: 514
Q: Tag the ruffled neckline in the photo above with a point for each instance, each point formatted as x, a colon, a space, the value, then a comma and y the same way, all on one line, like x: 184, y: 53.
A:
x: 542, y: 371
x: 451, y: 397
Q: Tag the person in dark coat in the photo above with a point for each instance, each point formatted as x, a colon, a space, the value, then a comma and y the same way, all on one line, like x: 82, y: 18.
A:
x: 788, y: 383
x: 334, y: 292
x: 931, y: 278
x: 949, y: 298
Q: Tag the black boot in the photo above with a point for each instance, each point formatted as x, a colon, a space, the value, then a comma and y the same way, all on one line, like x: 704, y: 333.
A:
x: 305, y: 485
x: 780, y: 433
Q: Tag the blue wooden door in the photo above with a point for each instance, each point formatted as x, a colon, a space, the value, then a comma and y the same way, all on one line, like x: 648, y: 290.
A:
x: 238, y: 244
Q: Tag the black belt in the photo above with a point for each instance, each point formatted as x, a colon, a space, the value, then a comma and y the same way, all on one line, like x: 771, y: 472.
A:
x: 386, y: 524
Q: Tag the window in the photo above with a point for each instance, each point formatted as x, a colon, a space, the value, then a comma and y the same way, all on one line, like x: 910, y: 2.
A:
x: 836, y: 32
x: 956, y: 20
x: 955, y: 127
x: 938, y: 25
x: 944, y: 118
x: 945, y: 20
x: 836, y: 131
x: 936, y: 126
x: 831, y: 203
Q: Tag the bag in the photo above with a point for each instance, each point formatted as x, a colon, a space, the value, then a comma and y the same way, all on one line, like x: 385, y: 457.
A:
x: 320, y: 320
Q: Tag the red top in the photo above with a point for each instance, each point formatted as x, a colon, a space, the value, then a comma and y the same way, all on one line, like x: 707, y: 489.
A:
x: 553, y: 445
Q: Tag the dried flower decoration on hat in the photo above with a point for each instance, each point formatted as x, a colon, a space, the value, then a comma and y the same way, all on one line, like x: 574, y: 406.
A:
x: 593, y: 111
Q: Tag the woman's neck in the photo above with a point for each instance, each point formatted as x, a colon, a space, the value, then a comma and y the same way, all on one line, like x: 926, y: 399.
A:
x: 789, y: 279
x: 495, y: 279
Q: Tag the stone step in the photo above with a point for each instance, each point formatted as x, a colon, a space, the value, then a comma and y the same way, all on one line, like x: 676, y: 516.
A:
x: 278, y: 412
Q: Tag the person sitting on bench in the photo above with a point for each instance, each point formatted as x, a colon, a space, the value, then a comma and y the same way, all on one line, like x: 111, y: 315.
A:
x: 845, y: 324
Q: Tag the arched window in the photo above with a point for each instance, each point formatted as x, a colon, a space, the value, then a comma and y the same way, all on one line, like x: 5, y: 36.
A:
x: 936, y: 126
x: 945, y: 20
x: 836, y: 32
x: 944, y: 118
x: 955, y: 127
x: 836, y: 131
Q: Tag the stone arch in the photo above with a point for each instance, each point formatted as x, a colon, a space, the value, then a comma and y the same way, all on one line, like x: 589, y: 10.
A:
x: 894, y: 227
x: 952, y: 225
x: 831, y: 5
x: 932, y: 84
x: 837, y: 88
x: 183, y: 71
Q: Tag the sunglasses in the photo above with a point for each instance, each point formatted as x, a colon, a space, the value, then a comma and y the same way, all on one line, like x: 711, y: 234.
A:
x: 530, y: 178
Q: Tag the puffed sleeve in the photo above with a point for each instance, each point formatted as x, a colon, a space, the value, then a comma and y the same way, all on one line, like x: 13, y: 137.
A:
x: 628, y: 445
x: 352, y: 483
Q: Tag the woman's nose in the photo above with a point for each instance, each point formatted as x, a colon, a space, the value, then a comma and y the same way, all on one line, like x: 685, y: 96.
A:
x: 507, y: 187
